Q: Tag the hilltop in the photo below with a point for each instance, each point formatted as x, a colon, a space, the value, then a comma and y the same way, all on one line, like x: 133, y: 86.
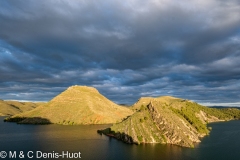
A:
x: 76, y: 105
x: 9, y: 108
x: 166, y: 120
x: 141, y: 102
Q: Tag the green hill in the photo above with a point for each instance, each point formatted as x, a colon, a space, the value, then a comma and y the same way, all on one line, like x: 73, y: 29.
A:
x: 9, y: 108
x: 76, y: 105
x: 166, y: 120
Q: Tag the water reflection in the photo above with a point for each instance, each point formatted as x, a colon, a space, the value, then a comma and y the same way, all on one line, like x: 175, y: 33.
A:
x: 222, y: 143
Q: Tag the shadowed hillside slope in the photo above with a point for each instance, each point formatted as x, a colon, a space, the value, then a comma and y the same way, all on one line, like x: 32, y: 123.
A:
x: 79, y: 105
x: 166, y: 120
x: 9, y: 108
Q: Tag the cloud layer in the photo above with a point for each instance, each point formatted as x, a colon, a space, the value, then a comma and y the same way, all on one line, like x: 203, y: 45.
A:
x: 125, y: 49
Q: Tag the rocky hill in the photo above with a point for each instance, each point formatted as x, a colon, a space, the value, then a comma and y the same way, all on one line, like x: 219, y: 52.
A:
x: 166, y: 120
x: 9, y: 108
x: 76, y: 105
x: 143, y: 101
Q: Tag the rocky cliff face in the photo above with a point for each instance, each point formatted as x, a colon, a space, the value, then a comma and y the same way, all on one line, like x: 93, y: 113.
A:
x: 175, y: 130
x: 164, y: 120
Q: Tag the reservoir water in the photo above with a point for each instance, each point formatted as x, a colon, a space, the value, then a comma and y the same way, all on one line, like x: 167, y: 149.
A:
x: 223, y: 143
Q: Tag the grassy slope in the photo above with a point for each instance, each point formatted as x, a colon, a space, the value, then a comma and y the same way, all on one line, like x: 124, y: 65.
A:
x: 234, y: 112
x: 167, y: 120
x: 80, y: 105
x: 143, y: 101
x: 8, y: 108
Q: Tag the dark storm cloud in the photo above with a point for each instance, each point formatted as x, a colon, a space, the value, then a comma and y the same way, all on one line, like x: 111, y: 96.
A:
x: 125, y: 49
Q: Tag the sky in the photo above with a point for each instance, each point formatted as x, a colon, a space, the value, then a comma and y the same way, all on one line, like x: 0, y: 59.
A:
x: 125, y: 49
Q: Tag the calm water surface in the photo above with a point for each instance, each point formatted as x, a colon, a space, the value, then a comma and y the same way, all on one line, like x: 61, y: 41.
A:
x: 222, y: 144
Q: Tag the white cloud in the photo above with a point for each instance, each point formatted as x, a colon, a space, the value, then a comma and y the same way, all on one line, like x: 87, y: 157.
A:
x: 225, y: 63
x: 185, y: 68
x: 237, y: 104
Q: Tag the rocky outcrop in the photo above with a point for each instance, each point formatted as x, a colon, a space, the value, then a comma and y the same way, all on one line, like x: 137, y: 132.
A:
x: 165, y: 120
x: 124, y: 137
x: 175, y: 130
x: 206, y: 118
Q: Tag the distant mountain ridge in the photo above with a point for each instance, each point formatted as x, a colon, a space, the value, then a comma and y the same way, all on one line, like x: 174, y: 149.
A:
x: 77, y: 105
x: 9, y: 108
x: 221, y: 107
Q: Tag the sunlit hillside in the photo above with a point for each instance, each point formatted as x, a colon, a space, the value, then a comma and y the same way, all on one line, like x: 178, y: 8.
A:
x: 167, y: 120
x: 78, y: 105
x: 9, y: 108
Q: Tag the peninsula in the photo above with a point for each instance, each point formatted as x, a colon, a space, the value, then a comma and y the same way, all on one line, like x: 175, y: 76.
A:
x: 168, y: 120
